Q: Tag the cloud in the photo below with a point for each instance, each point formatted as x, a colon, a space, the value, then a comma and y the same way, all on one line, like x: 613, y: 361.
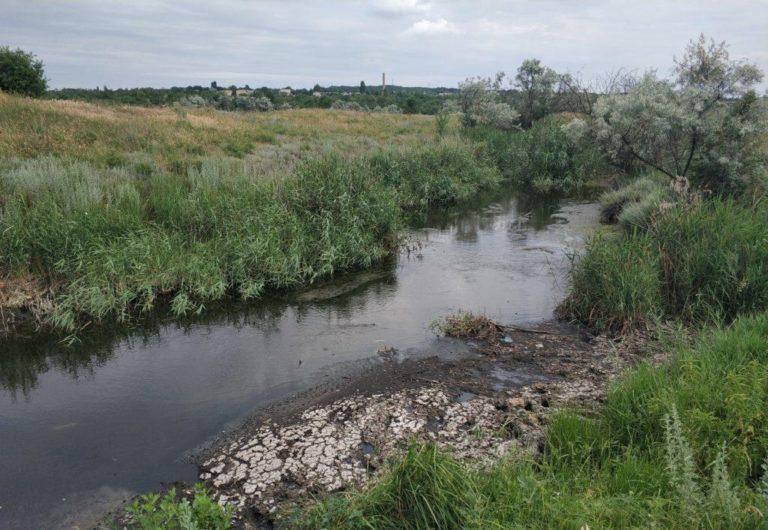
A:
x: 432, y: 27
x: 396, y: 8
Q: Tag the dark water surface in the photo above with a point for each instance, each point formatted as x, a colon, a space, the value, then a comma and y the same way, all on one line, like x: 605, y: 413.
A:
x: 85, y: 426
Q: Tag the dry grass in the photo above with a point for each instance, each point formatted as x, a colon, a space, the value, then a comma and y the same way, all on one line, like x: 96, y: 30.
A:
x: 116, y: 135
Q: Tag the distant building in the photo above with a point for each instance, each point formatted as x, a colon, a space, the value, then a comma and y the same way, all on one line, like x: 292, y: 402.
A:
x: 286, y: 92
x: 243, y: 92
x: 317, y: 94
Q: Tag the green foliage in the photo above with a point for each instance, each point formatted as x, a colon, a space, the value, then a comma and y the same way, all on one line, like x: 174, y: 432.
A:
x: 168, y: 512
x: 437, y: 175
x: 616, y: 284
x: 21, y: 73
x: 704, y: 125
x: 114, y: 243
x: 705, y: 261
x: 536, y: 84
x: 541, y: 159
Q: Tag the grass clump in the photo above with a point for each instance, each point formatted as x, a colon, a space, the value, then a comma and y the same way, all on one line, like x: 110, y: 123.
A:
x: 439, y: 175
x: 703, y: 262
x: 634, y: 204
x: 169, y: 511
x: 425, y: 489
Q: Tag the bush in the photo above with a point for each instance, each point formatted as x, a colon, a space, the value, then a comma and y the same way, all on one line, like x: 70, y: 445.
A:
x: 479, y: 104
x: 705, y: 125
x: 153, y: 512
x: 21, y: 73
x: 703, y: 262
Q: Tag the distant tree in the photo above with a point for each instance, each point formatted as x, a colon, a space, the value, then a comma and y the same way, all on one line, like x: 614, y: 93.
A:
x: 702, y: 123
x: 317, y: 88
x: 410, y: 105
x: 214, y: 85
x: 362, y: 87
x: 21, y: 73
x: 536, y: 84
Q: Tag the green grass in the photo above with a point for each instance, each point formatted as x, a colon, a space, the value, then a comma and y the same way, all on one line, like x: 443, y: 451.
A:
x: 680, y: 445
x: 541, y: 159
x: 114, y: 242
x: 635, y: 204
x: 706, y: 261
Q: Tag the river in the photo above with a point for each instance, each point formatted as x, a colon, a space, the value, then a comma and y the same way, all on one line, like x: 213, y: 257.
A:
x: 84, y: 426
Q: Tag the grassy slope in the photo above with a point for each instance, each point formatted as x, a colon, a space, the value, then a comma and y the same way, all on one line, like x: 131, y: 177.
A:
x: 125, y: 207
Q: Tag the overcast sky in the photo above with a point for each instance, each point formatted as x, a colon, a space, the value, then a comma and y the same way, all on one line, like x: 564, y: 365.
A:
x: 128, y: 43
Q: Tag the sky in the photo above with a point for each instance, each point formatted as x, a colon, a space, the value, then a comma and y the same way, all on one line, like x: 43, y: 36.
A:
x: 160, y: 43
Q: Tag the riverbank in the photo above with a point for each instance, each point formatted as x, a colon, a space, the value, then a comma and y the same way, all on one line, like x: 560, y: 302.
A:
x: 482, y: 408
x: 148, y: 209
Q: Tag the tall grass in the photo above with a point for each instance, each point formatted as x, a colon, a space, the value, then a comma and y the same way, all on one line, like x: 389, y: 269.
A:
x: 112, y: 242
x: 682, y: 445
x: 703, y: 262
x: 541, y: 159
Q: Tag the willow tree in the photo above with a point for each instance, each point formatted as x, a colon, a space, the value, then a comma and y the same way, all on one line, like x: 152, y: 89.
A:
x: 699, y: 124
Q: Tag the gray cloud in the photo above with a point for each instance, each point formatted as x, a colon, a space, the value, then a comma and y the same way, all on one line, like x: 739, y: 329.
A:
x: 277, y: 43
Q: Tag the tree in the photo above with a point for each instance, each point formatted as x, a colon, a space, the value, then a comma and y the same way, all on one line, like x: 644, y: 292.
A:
x: 362, y: 87
x: 536, y: 84
x: 214, y: 85
x: 698, y: 124
x: 21, y: 73
x: 479, y: 104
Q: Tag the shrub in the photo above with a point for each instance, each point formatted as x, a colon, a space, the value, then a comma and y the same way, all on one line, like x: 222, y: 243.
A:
x: 21, y: 73
x: 479, y: 104
x: 702, y: 126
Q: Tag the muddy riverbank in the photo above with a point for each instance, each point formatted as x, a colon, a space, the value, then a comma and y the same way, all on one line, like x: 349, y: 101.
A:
x: 485, y: 406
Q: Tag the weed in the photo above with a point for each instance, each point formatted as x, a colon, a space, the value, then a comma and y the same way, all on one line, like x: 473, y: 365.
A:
x: 155, y: 512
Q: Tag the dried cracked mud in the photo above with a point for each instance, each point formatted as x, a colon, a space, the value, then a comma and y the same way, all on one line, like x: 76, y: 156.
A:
x: 480, y: 408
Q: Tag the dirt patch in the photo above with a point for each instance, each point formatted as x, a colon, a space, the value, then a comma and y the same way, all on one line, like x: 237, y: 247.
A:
x: 480, y: 408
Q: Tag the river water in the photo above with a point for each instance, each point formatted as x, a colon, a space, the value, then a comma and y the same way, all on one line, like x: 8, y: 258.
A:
x: 85, y: 426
